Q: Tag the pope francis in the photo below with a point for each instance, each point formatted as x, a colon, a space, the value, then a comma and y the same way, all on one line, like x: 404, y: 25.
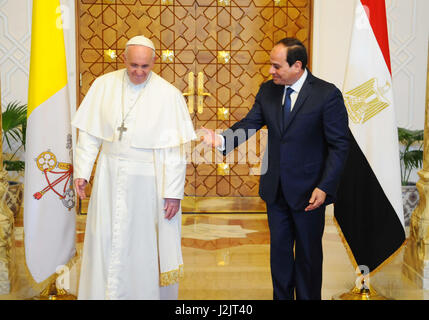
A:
x: 140, y: 124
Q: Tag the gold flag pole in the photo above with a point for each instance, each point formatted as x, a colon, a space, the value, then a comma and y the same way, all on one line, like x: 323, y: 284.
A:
x: 362, y: 289
x: 362, y: 292
x: 6, y: 225
x: 416, y: 255
x: 52, y: 292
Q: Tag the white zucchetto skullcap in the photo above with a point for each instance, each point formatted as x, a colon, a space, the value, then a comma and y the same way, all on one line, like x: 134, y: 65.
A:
x: 140, y: 41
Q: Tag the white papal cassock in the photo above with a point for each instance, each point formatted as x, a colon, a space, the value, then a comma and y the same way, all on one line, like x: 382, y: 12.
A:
x: 130, y: 249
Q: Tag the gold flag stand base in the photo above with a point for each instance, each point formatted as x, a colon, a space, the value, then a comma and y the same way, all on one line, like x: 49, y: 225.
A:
x: 364, y: 293
x: 51, y: 292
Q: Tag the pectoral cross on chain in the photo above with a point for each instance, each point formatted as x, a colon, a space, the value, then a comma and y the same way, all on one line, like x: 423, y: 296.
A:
x: 122, y: 128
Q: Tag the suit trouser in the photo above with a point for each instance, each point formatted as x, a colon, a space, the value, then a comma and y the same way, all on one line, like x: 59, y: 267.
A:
x: 302, y: 271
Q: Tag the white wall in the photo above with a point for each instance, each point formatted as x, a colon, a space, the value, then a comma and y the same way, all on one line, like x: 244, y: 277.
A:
x: 408, y: 26
x: 15, y: 41
x: 332, y: 27
x: 408, y: 37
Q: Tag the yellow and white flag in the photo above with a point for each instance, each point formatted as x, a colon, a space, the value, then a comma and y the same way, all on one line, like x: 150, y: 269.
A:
x: 49, y: 218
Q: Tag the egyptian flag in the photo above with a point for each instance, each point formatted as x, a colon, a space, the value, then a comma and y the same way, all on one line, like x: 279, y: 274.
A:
x: 49, y: 218
x: 369, y: 202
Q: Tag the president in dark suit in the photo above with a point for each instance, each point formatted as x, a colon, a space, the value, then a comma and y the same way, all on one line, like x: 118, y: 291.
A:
x: 307, y: 145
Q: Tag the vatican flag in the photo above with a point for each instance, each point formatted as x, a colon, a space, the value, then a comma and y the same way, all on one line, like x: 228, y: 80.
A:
x: 369, y: 201
x: 49, y: 218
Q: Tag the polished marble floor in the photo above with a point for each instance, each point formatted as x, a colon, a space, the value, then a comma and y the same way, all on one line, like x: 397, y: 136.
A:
x: 226, y: 257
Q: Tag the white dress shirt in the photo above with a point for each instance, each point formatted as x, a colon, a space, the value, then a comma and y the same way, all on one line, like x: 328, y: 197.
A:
x: 297, y: 86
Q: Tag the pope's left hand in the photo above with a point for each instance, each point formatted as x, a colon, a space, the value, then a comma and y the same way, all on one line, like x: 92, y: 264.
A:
x: 318, y: 197
x: 171, y: 207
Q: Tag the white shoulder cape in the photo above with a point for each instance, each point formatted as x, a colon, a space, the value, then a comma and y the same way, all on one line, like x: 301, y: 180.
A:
x: 162, y: 116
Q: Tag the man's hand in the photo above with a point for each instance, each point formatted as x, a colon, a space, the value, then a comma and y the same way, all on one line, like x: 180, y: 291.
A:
x: 318, y: 197
x: 171, y: 207
x: 79, y: 185
x: 210, y: 138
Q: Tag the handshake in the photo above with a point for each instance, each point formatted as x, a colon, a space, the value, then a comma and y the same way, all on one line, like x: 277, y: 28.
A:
x: 210, y: 138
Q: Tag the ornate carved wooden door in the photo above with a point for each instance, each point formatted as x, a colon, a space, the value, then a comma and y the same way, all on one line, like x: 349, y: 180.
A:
x: 217, y: 53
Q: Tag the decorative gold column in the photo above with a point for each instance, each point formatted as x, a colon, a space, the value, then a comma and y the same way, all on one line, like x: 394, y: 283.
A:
x: 6, y: 227
x: 416, y: 255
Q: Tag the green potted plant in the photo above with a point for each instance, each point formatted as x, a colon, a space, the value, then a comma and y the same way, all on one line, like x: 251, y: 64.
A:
x: 14, y: 125
x: 411, y: 157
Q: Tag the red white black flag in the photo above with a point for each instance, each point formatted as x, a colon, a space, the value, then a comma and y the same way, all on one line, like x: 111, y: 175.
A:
x: 369, y: 202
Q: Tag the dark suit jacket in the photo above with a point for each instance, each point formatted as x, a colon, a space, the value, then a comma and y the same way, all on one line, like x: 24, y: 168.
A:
x: 311, y: 149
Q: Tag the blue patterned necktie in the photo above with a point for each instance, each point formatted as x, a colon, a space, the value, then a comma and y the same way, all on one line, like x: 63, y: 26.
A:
x: 287, y: 105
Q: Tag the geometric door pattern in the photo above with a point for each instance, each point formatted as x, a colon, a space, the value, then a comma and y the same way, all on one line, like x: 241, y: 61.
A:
x: 227, y: 41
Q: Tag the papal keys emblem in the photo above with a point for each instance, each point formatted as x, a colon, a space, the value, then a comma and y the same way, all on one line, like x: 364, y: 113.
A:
x: 58, y: 177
